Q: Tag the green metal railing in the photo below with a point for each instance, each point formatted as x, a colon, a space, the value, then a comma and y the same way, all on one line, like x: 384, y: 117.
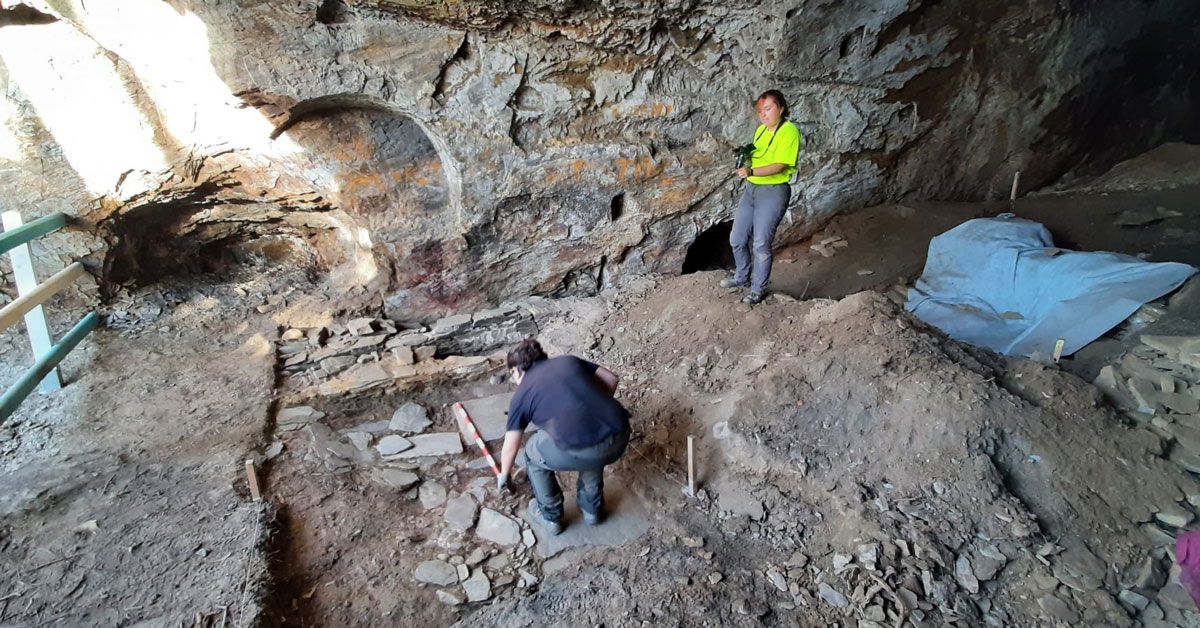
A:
x: 48, y: 355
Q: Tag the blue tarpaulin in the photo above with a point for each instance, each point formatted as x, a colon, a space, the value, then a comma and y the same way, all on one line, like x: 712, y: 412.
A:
x: 1000, y: 283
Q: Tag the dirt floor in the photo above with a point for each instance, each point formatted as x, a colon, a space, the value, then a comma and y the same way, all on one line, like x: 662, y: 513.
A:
x: 855, y: 467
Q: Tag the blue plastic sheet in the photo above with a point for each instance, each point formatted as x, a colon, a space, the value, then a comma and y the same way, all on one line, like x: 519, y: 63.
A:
x: 1000, y: 283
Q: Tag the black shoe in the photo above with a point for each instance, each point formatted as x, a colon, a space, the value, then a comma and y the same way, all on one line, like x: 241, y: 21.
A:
x: 592, y: 519
x: 553, y: 528
x: 754, y: 298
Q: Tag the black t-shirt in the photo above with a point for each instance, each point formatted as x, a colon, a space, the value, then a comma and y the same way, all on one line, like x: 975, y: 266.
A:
x: 563, y: 397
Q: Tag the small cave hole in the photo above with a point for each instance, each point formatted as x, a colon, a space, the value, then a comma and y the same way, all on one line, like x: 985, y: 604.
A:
x: 616, y: 208
x: 710, y: 250
x: 331, y: 12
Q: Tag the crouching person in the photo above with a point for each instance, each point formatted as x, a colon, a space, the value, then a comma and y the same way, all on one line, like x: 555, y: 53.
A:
x: 581, y: 428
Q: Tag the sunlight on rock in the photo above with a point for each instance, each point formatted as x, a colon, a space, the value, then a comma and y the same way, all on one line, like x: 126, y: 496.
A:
x: 170, y: 52
x: 82, y: 101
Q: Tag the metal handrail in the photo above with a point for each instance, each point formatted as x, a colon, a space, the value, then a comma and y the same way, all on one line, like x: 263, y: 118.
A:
x: 13, y: 238
x: 28, y: 305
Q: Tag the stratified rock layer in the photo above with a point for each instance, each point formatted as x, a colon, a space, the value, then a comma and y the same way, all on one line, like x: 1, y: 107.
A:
x: 450, y: 155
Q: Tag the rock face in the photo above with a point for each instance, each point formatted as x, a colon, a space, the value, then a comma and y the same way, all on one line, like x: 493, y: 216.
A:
x: 450, y: 155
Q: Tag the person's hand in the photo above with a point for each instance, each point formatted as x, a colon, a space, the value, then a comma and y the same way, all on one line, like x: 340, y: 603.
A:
x: 743, y: 172
x: 501, y: 481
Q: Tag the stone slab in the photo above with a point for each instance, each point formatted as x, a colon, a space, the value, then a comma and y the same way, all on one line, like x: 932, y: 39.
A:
x: 489, y: 414
x: 436, y: 572
x: 460, y: 512
x: 391, y: 445
x: 394, y: 478
x: 410, y: 417
x: 425, y: 445
x: 497, y: 528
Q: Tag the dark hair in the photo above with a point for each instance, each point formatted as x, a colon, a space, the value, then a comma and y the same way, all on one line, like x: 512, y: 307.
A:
x: 777, y: 96
x: 525, y: 354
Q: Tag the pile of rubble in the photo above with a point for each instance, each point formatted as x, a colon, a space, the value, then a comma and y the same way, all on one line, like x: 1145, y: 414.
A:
x: 366, y: 353
x: 1157, y: 384
x: 399, y: 455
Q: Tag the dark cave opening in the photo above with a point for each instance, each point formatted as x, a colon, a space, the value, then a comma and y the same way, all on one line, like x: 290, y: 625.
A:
x: 710, y: 250
x: 616, y: 208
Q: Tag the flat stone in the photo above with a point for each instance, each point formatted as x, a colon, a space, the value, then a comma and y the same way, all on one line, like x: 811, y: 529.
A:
x: 740, y: 502
x: 360, y: 440
x: 411, y: 418
x: 867, y: 554
x: 1080, y: 569
x: 392, y: 445
x: 499, y: 562
x: 463, y: 570
x: 965, y: 575
x: 832, y: 596
x: 528, y: 538
x: 798, y: 559
x: 337, y: 364
x: 448, y: 598
x: 424, y: 353
x: 328, y: 446
x: 361, y: 326
x: 273, y: 450
x: 497, y: 528
x: 1058, y: 609
x: 1133, y: 600
x: 407, y: 339
x: 394, y: 478
x: 490, y: 415
x: 1189, y: 460
x: 478, y: 588
x: 298, y: 416
x: 491, y: 317
x: 1144, y: 394
x: 527, y: 579
x: 370, y: 427
x: 777, y: 579
x: 1157, y: 536
x: 357, y: 377
x: 404, y: 355
x: 1168, y: 345
x: 439, y: 444
x: 436, y: 572
x: 450, y: 324
x: 432, y: 495
x: 460, y: 512
x: 1179, y: 403
x: 1175, y: 516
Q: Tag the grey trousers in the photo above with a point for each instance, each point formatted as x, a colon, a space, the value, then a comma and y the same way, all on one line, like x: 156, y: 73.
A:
x: 754, y: 224
x: 543, y: 458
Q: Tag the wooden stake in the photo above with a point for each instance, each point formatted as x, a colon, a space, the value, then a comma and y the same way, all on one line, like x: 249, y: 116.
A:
x: 1016, y: 182
x: 691, y: 470
x: 252, y: 480
x: 1058, y: 349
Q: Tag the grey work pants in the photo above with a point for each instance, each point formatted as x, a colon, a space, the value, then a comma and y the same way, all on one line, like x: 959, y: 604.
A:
x: 754, y: 224
x: 543, y: 457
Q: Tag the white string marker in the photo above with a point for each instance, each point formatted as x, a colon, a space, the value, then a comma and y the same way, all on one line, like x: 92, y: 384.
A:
x: 1016, y: 182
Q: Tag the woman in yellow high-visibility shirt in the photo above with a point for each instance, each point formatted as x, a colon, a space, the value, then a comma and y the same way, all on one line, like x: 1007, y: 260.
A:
x: 764, y: 197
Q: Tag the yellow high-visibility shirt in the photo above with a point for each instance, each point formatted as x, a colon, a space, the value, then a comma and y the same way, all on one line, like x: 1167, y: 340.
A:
x: 779, y: 147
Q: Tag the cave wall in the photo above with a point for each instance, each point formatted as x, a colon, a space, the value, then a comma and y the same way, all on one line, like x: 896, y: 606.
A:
x: 449, y: 155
